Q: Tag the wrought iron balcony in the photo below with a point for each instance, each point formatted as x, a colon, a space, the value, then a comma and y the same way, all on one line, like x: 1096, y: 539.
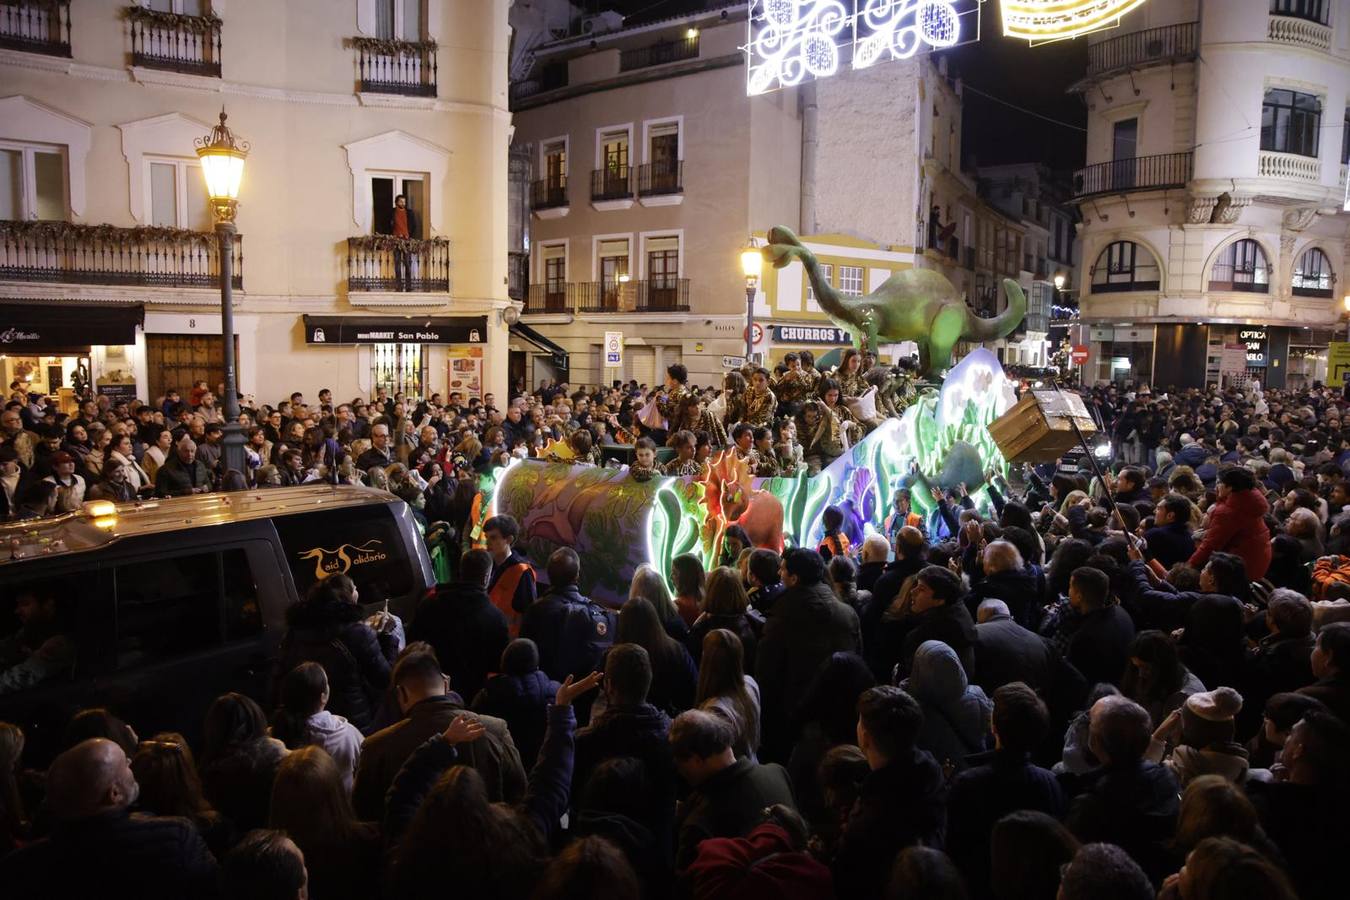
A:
x: 174, y: 43
x: 1152, y: 46
x: 36, y: 26
x: 548, y: 193
x: 406, y: 68
x: 64, y: 253
x: 541, y: 79
x: 662, y: 295
x: 517, y: 275
x: 659, y: 54
x: 1140, y: 173
x: 654, y: 295
x: 382, y: 262
x: 661, y: 178
x: 549, y: 298
x: 612, y: 183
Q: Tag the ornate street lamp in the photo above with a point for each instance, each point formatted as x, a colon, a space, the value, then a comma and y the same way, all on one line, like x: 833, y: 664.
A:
x: 752, y: 261
x: 222, y: 157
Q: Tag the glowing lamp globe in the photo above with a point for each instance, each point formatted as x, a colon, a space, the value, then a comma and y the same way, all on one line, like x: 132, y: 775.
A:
x: 222, y: 157
x: 752, y: 261
x: 1059, y: 282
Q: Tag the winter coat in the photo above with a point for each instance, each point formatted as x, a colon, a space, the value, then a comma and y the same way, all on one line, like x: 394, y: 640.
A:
x: 340, y: 739
x: 1022, y: 590
x: 651, y: 863
x: 176, y: 478
x: 238, y: 781
x: 113, y: 855
x: 1170, y: 544
x: 572, y: 632
x: 729, y: 804
x: 520, y: 701
x: 1134, y: 806
x: 1100, y: 645
x: 1006, y: 652
x: 805, y: 626
x: 1307, y: 823
x: 356, y: 658
x: 1227, y: 759
x: 950, y: 623
x: 640, y: 732
x: 494, y: 755
x: 743, y: 626
x: 763, y: 865
x: 467, y: 632
x: 1334, y: 691
x: 1237, y: 525
x: 955, y: 713
x: 900, y: 805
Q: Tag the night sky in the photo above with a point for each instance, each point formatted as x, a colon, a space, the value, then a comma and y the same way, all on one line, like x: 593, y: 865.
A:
x: 1031, y: 77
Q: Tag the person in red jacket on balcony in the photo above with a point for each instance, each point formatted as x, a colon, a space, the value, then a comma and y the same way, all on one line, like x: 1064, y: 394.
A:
x: 403, y: 224
x: 1237, y: 524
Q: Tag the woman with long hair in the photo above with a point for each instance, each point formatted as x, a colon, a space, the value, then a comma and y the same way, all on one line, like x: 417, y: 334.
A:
x: 313, y: 806
x: 725, y: 689
x: 650, y: 586
x: 303, y: 720
x: 170, y: 786
x: 826, y: 717
x: 14, y: 822
x: 674, y: 677
x: 1155, y: 677
x: 687, y: 577
x: 239, y: 760
x: 726, y: 605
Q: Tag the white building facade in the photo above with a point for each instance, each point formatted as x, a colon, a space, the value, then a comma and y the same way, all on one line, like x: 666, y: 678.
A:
x: 106, y: 256
x: 1213, y: 200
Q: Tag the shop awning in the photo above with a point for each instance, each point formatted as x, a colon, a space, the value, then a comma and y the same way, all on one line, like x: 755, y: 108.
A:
x: 530, y: 335
x: 395, y: 329
x: 43, y: 327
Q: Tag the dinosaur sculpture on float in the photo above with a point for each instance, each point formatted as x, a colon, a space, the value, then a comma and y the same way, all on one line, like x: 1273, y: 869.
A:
x: 917, y: 305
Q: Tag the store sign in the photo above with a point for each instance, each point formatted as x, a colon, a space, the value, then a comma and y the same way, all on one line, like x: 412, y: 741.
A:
x: 35, y: 326
x: 417, y: 330
x: 1255, y: 341
x: 810, y: 334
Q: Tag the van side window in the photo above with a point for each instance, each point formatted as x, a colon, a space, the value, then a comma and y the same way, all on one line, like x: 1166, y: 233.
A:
x: 38, y: 631
x: 171, y: 606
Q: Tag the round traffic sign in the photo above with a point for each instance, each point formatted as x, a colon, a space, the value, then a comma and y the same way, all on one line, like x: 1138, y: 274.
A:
x: 758, y: 334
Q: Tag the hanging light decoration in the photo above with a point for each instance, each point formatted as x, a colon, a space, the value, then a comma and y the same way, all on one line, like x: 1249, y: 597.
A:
x: 1052, y: 20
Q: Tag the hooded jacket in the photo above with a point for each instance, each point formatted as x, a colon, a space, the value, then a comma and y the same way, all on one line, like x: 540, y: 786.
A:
x: 955, y: 713
x: 950, y: 623
x: 521, y: 701
x: 357, y: 660
x: 805, y: 626
x: 1237, y: 525
x: 340, y: 739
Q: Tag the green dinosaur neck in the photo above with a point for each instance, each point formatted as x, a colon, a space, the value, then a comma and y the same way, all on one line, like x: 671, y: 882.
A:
x: 827, y: 297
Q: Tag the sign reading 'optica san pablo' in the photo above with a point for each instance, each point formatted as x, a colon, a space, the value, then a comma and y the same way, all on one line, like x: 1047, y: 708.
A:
x: 793, y: 41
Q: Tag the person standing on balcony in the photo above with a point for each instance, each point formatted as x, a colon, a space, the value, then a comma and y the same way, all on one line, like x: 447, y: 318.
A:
x: 403, y: 224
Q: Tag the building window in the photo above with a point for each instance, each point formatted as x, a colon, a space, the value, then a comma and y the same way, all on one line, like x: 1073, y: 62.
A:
x: 1312, y: 274
x: 385, y: 189
x: 614, y: 151
x: 177, y: 194
x: 826, y: 274
x: 851, y: 280
x: 1312, y: 10
x: 555, y: 162
x: 32, y: 182
x: 1125, y: 266
x: 181, y: 7
x: 555, y: 277
x: 1345, y: 139
x: 1241, y: 266
x: 1290, y: 122
x: 398, y: 368
x: 399, y: 19
x: 613, y: 257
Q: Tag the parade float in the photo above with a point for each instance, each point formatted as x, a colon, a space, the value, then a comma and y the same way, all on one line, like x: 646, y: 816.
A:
x: 616, y: 522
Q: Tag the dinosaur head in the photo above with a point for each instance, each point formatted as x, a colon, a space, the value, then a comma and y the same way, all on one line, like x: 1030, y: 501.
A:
x: 783, y: 245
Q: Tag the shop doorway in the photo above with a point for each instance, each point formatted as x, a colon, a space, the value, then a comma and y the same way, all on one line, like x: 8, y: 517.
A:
x: 399, y: 367
x: 180, y: 360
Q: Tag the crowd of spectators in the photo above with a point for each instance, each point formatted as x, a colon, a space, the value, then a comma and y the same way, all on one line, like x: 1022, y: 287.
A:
x: 1134, y: 686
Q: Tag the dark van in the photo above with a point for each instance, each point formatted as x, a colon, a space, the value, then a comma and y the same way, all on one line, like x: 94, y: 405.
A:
x: 153, y: 609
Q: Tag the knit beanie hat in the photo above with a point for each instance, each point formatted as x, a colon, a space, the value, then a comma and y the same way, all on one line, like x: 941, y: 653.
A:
x: 1207, y: 717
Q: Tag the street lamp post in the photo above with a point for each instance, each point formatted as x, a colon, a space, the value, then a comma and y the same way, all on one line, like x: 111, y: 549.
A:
x: 222, y: 157
x: 752, y: 260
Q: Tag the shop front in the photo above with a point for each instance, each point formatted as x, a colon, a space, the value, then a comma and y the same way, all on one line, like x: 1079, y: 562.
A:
x: 821, y: 340
x: 66, y: 350
x: 400, y: 349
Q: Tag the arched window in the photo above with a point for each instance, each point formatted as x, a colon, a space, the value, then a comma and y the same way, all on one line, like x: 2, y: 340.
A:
x: 1242, y: 266
x: 1125, y: 266
x: 1312, y: 274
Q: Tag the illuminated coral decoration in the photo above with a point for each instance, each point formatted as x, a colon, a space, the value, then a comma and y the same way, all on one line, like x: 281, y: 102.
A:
x: 902, y: 27
x: 1053, y: 20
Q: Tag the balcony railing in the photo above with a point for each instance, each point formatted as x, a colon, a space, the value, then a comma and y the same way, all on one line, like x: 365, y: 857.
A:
x: 174, y: 43
x: 549, y: 298
x: 655, y: 295
x: 1140, y: 173
x: 548, y: 193
x: 661, y: 178
x: 1312, y: 10
x: 1293, y: 166
x: 1169, y: 43
x: 64, y: 253
x: 662, y: 295
x: 517, y: 275
x: 541, y: 79
x: 1300, y: 32
x: 612, y: 183
x: 658, y: 54
x: 380, y: 262
x: 406, y: 68
x: 36, y: 26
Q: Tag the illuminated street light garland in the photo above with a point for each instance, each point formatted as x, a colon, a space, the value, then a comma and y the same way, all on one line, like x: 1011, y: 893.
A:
x: 1052, y: 20
x: 794, y: 41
